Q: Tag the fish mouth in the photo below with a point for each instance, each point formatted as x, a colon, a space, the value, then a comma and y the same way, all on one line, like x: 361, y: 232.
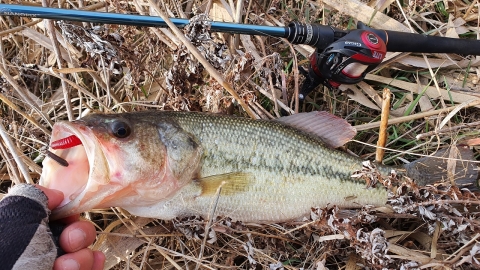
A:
x: 73, y: 180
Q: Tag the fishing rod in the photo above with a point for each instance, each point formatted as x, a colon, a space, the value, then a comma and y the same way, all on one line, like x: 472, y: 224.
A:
x: 340, y: 57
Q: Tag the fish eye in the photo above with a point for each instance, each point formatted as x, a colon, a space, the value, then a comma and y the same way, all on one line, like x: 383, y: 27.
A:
x: 120, y: 129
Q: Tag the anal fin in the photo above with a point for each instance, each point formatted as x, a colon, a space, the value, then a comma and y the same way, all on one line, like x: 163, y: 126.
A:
x: 231, y: 183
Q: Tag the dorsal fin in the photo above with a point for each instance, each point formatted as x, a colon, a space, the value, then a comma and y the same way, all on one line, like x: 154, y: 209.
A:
x: 333, y: 130
x: 231, y: 183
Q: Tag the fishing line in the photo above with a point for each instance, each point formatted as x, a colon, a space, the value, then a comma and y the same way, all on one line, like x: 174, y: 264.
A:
x: 413, y: 154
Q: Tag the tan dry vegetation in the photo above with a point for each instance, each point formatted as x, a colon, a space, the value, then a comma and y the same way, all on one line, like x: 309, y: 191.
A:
x: 54, y: 71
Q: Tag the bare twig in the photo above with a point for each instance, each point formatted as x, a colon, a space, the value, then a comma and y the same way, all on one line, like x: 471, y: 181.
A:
x: 25, y: 95
x: 210, y: 218
x: 217, y: 76
x: 415, y: 116
x: 24, y: 114
x: 11, y: 168
x: 13, y: 149
x: 295, y: 77
x: 56, y: 49
x: 382, y: 137
x: 447, y: 130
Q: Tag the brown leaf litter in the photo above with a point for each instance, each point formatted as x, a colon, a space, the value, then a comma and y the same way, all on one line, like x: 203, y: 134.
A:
x: 112, y: 68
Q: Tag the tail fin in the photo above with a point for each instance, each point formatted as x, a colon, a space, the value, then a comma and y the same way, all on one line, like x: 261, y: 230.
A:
x: 454, y: 165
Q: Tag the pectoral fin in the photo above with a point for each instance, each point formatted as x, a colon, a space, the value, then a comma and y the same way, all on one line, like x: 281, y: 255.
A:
x: 231, y: 183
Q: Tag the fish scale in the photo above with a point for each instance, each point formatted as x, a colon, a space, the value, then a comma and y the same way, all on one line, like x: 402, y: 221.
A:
x: 172, y: 164
x: 266, y: 142
x: 285, y: 185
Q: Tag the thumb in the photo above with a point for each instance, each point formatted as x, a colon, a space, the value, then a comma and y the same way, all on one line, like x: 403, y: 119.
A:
x: 26, y: 239
x: 55, y: 197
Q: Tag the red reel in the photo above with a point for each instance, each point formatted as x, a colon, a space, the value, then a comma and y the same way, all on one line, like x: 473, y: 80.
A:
x: 350, y: 58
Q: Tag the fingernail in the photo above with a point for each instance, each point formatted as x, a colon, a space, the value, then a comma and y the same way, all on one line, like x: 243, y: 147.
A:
x: 77, y: 238
x: 70, y: 264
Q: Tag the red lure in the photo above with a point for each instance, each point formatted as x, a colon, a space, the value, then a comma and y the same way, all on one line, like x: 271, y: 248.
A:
x: 65, y: 143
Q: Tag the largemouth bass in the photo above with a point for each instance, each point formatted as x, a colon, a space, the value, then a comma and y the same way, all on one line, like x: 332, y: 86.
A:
x: 172, y: 164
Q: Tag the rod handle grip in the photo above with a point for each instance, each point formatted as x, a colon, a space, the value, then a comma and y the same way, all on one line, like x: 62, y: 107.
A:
x: 418, y: 43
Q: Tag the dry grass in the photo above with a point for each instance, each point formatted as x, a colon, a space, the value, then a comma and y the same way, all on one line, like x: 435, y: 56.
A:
x: 42, y: 83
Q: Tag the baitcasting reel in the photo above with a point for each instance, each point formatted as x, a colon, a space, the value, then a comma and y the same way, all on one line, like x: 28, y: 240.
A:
x: 345, y: 61
x: 341, y: 57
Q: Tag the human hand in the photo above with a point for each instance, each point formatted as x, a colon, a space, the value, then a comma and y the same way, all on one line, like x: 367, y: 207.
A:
x: 75, y: 239
x: 26, y: 241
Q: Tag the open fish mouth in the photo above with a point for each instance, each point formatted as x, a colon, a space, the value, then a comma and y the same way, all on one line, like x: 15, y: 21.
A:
x: 71, y: 165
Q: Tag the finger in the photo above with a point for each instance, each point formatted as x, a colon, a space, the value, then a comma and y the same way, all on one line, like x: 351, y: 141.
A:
x: 70, y: 219
x: 55, y: 197
x: 77, y: 236
x: 98, y: 260
x: 80, y: 260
